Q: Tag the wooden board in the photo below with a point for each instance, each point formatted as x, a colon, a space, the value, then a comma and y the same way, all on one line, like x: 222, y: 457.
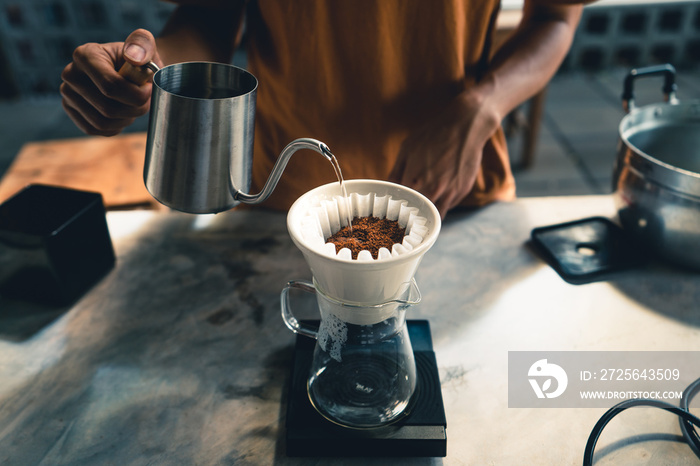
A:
x: 111, y: 166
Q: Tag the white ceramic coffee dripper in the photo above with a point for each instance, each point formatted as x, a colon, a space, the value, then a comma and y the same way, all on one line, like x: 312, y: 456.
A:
x: 354, y: 281
x: 363, y: 372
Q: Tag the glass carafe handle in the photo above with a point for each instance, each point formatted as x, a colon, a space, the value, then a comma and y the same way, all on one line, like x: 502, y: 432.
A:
x: 294, y: 325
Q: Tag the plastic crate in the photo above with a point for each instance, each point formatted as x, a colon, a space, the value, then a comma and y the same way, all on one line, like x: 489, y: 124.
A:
x: 633, y: 33
x: 37, y: 37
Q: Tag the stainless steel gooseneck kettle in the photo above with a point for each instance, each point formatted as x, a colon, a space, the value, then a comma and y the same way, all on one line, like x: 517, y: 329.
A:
x: 199, y: 148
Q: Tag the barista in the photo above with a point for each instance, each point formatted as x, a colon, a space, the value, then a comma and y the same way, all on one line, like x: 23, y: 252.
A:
x: 404, y: 90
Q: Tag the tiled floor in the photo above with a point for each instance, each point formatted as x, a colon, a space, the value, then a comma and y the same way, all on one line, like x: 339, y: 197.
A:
x: 575, y: 151
x: 579, y: 135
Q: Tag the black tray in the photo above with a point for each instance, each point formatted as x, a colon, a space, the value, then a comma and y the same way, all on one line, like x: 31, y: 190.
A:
x: 587, y: 250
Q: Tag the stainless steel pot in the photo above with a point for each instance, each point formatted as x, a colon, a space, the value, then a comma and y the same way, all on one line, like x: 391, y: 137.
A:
x: 656, y: 179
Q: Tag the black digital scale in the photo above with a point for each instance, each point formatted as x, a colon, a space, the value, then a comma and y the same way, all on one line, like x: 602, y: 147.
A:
x: 421, y: 432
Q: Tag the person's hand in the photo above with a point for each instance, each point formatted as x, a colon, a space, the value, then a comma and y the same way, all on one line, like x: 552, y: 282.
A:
x: 95, y: 96
x: 442, y: 159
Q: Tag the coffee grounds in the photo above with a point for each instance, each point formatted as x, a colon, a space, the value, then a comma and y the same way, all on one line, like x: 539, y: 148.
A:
x: 368, y: 233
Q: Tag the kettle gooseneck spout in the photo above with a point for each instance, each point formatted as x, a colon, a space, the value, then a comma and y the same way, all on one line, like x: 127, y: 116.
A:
x: 278, y: 169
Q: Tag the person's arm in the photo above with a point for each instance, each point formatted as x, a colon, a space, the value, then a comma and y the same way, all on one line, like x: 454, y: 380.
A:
x: 442, y: 159
x: 205, y: 34
x: 102, y: 102
x: 531, y: 56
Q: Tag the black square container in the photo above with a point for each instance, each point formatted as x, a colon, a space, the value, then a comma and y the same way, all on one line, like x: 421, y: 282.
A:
x: 54, y: 244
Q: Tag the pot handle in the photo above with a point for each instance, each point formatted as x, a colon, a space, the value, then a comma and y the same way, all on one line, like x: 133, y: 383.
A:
x: 669, y: 88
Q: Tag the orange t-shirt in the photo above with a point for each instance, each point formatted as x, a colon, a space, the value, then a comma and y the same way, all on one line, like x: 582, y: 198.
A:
x: 360, y: 75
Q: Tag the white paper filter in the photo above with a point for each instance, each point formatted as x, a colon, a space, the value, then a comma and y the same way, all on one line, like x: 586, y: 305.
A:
x: 328, y: 216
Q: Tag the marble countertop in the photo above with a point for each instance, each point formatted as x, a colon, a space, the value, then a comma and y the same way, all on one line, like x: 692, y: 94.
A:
x: 179, y: 355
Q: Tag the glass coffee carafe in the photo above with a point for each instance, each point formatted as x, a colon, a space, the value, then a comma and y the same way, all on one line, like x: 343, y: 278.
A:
x: 363, y: 372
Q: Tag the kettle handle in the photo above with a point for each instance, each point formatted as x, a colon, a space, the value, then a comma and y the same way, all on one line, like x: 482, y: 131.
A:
x: 138, y: 75
x: 669, y: 88
x: 280, y: 164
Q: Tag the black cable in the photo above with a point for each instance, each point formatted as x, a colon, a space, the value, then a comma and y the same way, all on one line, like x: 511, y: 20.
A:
x: 689, y: 432
x: 687, y: 420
